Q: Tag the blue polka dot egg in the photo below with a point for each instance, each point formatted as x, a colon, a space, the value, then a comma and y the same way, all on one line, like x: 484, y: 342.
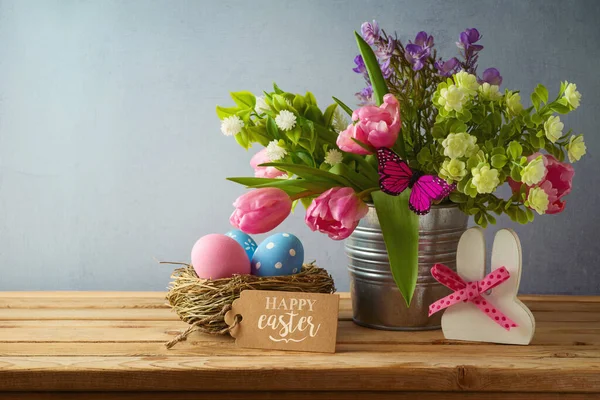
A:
x: 279, y: 254
x: 244, y: 240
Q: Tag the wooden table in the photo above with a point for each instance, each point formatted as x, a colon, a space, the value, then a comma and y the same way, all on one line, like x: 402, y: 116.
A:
x: 112, y: 343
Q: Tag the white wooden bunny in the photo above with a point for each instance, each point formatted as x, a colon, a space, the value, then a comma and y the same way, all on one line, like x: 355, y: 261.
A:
x: 495, y: 315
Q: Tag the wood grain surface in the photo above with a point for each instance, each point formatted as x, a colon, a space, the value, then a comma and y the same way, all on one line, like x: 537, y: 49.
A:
x: 111, y: 343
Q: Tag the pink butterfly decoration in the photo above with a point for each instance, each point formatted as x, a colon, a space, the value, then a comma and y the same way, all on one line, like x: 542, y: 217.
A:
x: 395, y: 176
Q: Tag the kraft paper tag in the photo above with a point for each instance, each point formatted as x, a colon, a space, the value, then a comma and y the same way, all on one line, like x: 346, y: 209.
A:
x: 285, y: 320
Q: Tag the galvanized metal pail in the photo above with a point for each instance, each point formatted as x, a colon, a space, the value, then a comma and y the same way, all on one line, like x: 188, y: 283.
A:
x: 376, y: 300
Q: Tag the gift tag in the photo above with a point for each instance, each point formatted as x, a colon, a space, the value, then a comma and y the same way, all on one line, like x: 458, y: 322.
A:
x: 285, y: 320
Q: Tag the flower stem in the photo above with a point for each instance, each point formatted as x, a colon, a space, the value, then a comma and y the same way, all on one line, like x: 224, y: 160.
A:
x: 300, y: 195
x: 367, y: 192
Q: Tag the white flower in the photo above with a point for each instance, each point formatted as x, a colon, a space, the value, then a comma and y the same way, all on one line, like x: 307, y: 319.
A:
x: 513, y: 102
x: 533, y: 172
x: 485, y: 179
x: 340, y: 122
x: 538, y: 200
x: 467, y: 82
x: 459, y: 144
x: 333, y: 157
x: 576, y: 148
x: 285, y: 120
x: 274, y: 151
x: 572, y: 96
x: 490, y: 92
x: 261, y: 105
x: 232, y: 125
x: 553, y: 128
x: 453, y: 98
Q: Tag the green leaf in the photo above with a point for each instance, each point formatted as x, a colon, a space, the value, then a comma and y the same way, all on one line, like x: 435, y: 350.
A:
x: 276, y: 89
x: 242, y: 139
x: 299, y: 103
x: 309, y: 173
x: 515, y: 173
x: 294, y: 135
x: 535, y: 100
x: 499, y: 161
x: 365, y: 146
x: 458, y: 198
x: 329, y: 114
x: 310, y: 99
x: 306, y: 201
x: 250, y: 182
x: 272, y: 129
x: 377, y: 80
x: 244, y: 99
x: 224, y: 112
x: 400, y: 228
x: 361, y: 181
x: 560, y: 108
x: 344, y: 106
x: 305, y: 157
x: 314, y: 114
x: 279, y: 102
x: 542, y: 92
x: 258, y: 134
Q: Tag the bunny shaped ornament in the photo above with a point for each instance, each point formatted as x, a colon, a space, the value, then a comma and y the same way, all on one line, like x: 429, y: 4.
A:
x: 485, y: 308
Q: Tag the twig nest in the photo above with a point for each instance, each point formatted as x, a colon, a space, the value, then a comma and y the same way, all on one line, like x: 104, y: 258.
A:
x: 203, y: 303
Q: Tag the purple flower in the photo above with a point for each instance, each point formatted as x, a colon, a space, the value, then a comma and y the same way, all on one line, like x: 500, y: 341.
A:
x: 386, y: 69
x: 365, y: 96
x: 424, y: 40
x: 447, y: 68
x: 491, y: 76
x: 417, y: 53
x: 370, y: 32
x: 385, y: 50
x: 360, y: 65
x: 467, y: 40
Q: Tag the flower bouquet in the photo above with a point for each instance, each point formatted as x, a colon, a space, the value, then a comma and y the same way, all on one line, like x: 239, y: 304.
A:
x: 427, y: 131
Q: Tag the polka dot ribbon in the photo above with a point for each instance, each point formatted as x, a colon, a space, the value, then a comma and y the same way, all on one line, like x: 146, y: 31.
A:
x: 471, y: 292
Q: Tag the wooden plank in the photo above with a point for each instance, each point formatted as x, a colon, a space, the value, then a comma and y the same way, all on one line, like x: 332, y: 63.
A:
x: 166, y: 314
x: 193, y: 348
x: 310, y: 395
x: 157, y: 300
x: 342, y: 371
x: 547, y: 333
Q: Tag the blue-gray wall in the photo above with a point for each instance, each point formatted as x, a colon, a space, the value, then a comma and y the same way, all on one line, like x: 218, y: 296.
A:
x: 110, y: 151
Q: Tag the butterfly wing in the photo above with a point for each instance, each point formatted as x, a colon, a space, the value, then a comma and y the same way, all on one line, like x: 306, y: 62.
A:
x: 394, y: 173
x: 426, y: 189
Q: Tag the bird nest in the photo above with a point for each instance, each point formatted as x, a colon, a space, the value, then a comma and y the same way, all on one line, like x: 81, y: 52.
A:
x: 203, y: 303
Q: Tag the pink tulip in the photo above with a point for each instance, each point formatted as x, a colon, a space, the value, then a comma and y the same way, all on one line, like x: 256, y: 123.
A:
x: 264, y: 172
x: 336, y: 212
x: 261, y: 210
x: 374, y: 126
x: 557, y: 183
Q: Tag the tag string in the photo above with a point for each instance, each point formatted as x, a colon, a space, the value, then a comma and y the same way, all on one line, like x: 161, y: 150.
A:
x: 197, y: 326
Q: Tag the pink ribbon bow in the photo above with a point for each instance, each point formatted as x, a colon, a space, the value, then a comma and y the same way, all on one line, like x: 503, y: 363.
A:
x: 471, y: 292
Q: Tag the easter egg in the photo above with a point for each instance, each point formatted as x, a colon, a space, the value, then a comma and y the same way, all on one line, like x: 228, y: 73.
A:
x: 279, y: 254
x: 244, y: 240
x: 217, y: 256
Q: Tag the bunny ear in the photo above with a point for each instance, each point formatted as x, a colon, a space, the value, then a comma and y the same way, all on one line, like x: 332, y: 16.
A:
x: 470, y: 255
x: 506, y: 252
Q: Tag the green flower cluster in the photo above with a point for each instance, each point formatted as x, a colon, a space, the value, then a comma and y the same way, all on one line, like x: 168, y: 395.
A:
x: 483, y: 137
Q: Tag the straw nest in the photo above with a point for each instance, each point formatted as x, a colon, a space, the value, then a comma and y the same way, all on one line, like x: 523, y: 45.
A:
x: 203, y: 303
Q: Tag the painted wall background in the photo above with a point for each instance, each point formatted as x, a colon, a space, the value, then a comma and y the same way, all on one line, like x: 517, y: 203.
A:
x: 110, y: 151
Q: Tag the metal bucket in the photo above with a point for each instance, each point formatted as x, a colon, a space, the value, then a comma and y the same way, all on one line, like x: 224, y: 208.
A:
x: 376, y: 301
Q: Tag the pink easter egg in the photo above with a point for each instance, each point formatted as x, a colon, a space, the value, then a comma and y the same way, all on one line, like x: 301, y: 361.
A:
x: 217, y: 256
